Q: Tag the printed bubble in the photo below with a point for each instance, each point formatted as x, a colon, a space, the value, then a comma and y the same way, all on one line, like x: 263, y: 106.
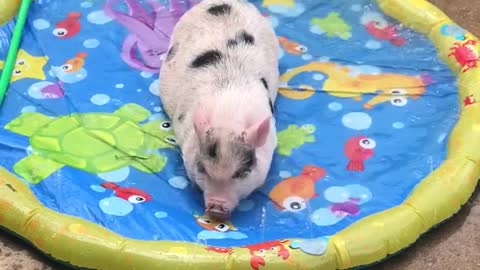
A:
x: 335, y: 106
x: 307, y: 57
x: 97, y: 188
x: 100, y: 99
x: 246, y: 205
x: 146, y: 75
x: 45, y: 90
x: 119, y: 85
x: 29, y: 109
x: 86, y: 4
x: 373, y: 45
x: 115, y: 206
x: 98, y: 17
x: 398, y: 125
x: 91, y: 43
x: 323, y: 59
x: 357, y: 120
x: 325, y: 217
x: 358, y: 193
x: 285, y: 174
x: 68, y: 77
x: 155, y: 87
x: 157, y: 109
x: 161, y: 214
x: 287, y: 11
x: 206, y: 235
x: 179, y: 182
x: 139, y: 90
x: 318, y: 77
x: 363, y: 69
x: 41, y: 24
x: 316, y: 30
x: 116, y: 176
x: 356, y: 8
x: 336, y: 194
x: 314, y: 247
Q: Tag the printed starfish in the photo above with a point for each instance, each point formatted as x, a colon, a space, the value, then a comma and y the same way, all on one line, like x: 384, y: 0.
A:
x: 27, y: 66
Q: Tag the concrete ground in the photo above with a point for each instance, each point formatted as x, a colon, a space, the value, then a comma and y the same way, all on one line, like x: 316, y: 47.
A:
x: 453, y: 246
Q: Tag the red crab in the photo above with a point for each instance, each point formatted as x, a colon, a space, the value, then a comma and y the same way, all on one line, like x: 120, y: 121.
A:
x: 258, y: 251
x: 220, y: 250
x: 470, y: 100
x: 465, y: 54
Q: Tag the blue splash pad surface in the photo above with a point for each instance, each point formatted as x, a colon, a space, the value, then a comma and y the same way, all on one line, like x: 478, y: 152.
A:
x: 404, y: 143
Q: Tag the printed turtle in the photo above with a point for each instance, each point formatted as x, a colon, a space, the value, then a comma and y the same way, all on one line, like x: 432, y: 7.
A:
x: 333, y: 26
x: 294, y: 137
x: 92, y: 142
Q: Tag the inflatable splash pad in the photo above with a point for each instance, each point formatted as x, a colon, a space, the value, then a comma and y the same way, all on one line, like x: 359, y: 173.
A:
x: 375, y: 114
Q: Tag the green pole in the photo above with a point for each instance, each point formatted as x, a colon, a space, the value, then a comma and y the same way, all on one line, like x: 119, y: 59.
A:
x: 13, y: 50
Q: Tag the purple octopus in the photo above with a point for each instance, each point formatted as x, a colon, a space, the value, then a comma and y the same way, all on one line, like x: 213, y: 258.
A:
x: 149, y: 30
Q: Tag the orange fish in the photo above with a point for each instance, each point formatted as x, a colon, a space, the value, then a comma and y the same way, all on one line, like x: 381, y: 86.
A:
x: 292, y: 194
x: 213, y: 225
x: 292, y: 47
x: 75, y: 64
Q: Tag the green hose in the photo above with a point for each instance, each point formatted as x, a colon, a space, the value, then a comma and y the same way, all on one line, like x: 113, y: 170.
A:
x: 13, y: 50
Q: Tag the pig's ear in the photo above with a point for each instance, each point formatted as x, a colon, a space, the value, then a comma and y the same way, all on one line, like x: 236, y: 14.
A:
x: 257, y: 133
x: 201, y: 121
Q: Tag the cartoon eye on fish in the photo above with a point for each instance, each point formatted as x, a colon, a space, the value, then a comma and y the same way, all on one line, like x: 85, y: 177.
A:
x: 292, y: 47
x: 293, y: 194
x: 358, y: 150
x: 131, y: 195
x: 69, y: 27
x: 75, y: 64
x: 212, y: 225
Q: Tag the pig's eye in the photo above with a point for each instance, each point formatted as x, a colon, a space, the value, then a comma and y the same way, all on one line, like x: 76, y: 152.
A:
x: 222, y: 227
x: 242, y: 173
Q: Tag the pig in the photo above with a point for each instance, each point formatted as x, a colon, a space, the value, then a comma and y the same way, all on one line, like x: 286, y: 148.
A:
x: 218, y: 84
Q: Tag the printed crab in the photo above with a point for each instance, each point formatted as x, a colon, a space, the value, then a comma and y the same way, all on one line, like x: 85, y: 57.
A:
x: 465, y: 54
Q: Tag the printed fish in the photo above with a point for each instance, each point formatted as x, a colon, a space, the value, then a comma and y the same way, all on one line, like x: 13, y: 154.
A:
x: 69, y: 27
x: 293, y: 193
x: 213, y: 225
x: 470, y: 100
x: 75, y: 64
x: 131, y: 195
x: 345, y: 209
x: 357, y: 150
x: 292, y: 47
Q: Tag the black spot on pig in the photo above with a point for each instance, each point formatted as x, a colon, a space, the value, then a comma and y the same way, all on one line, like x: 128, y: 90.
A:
x: 208, y: 58
x: 246, y: 38
x: 241, y: 37
x: 172, y: 51
x: 247, y: 161
x: 181, y: 117
x: 264, y: 82
x: 271, y: 105
x: 232, y: 43
x: 219, y: 10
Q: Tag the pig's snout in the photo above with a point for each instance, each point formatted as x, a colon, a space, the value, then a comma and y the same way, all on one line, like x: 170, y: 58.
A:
x: 219, y: 209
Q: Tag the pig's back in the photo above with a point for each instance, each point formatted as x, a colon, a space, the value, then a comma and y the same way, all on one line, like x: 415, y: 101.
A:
x: 217, y: 44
